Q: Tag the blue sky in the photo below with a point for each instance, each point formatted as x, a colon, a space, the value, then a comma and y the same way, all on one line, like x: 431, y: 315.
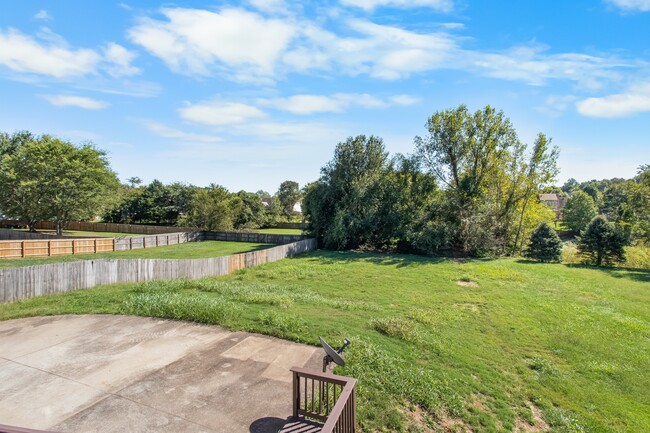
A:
x: 249, y: 94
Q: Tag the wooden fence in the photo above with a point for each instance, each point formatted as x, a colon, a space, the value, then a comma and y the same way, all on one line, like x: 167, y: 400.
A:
x: 103, y: 227
x: 60, y: 247
x: 29, y: 281
x: 20, y: 235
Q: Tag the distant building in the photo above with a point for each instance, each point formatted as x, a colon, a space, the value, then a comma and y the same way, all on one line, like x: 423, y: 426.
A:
x: 555, y: 201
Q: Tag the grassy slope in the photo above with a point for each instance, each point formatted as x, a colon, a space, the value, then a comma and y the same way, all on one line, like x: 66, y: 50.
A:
x: 574, y: 341
x: 189, y: 250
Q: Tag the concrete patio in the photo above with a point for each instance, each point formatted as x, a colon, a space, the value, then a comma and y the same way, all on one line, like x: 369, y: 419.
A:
x: 101, y: 373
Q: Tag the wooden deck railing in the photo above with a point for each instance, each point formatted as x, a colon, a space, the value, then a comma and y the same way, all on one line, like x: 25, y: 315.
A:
x: 325, y: 397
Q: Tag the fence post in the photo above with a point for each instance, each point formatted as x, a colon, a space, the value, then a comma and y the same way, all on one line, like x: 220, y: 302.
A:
x: 74, y: 246
x: 114, y: 244
x: 130, y: 242
x: 95, y: 245
x: 22, y: 249
x: 49, y: 248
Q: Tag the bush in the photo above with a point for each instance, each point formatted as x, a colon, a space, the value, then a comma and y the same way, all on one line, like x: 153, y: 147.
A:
x: 545, y: 245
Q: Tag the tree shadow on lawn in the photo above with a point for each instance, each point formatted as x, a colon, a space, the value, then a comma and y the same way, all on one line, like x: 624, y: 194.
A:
x: 642, y: 275
x: 381, y: 258
x: 636, y: 274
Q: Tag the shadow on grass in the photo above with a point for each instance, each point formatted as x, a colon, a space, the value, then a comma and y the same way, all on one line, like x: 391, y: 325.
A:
x: 642, y: 275
x: 380, y: 258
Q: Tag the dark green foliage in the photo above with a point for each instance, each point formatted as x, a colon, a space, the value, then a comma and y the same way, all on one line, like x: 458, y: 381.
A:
x: 45, y: 178
x: 352, y: 204
x: 252, y: 213
x: 580, y: 209
x: 155, y: 203
x: 601, y: 243
x: 288, y: 195
x: 545, y: 245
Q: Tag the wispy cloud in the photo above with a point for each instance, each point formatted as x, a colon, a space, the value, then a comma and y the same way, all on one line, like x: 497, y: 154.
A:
x: 634, y: 100
x: 50, y: 55
x: 75, y: 101
x: 42, y: 15
x: 339, y: 102
x: 440, y: 5
x: 244, y: 45
x: 176, y: 134
x: 631, y: 5
x: 218, y: 113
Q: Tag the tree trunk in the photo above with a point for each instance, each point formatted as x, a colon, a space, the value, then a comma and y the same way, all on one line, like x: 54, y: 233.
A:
x: 59, y: 228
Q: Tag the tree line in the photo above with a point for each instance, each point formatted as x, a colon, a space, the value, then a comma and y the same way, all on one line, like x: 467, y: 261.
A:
x: 44, y: 178
x: 470, y: 187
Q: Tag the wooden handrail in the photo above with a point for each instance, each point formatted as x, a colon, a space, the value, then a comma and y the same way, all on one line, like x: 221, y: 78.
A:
x: 339, y: 418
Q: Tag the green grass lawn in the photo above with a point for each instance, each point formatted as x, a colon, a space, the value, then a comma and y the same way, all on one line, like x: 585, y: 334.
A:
x: 437, y: 345
x: 85, y: 234
x: 188, y: 250
x: 280, y: 231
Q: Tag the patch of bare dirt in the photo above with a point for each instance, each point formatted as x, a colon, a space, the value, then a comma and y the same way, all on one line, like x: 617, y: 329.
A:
x: 465, y: 283
x: 442, y: 423
x: 539, y: 425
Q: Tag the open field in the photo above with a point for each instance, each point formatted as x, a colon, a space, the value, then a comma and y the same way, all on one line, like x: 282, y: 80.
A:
x: 189, y: 250
x: 437, y: 345
x: 280, y: 231
x: 85, y: 234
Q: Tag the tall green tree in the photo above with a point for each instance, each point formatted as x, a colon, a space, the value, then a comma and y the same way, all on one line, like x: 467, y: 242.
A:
x: 488, y: 179
x: 580, y: 209
x: 212, y: 208
x: 288, y: 195
x: 51, y: 179
x: 601, y: 243
x: 347, y: 207
x: 252, y: 213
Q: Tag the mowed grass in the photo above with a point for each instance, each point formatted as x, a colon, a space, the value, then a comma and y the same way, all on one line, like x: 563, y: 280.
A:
x: 188, y: 250
x: 280, y: 231
x: 437, y: 345
x: 84, y: 234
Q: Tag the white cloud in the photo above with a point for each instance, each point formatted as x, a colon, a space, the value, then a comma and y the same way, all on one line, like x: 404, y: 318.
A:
x: 404, y: 100
x: 309, y: 104
x: 218, y: 113
x: 22, y: 53
x: 338, y: 102
x: 194, y: 41
x: 43, y: 15
x: 273, y: 6
x: 632, y: 5
x: 119, y: 60
x: 247, y: 46
x: 440, y: 5
x: 635, y: 100
x: 50, y: 55
x: 176, y: 134
x: 532, y: 65
x: 75, y: 101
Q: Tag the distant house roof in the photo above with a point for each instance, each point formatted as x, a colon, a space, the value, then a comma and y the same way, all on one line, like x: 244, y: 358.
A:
x: 549, y: 197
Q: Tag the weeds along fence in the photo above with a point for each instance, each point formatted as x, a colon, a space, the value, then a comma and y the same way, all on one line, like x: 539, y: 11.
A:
x: 29, y: 281
x: 49, y: 246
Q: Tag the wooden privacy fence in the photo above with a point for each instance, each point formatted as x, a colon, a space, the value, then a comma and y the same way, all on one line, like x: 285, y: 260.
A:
x: 28, y: 281
x: 6, y: 235
x: 61, y: 247
x: 137, y: 229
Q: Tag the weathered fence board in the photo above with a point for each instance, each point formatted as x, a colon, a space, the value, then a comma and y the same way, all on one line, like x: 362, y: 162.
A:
x: 58, y: 247
x: 29, y: 281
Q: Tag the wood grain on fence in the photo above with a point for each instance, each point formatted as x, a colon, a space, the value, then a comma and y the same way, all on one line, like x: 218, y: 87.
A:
x: 67, y: 246
x: 29, y: 281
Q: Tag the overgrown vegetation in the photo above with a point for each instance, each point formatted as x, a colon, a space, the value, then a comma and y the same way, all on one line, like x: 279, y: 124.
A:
x: 487, y: 203
x: 523, y: 342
